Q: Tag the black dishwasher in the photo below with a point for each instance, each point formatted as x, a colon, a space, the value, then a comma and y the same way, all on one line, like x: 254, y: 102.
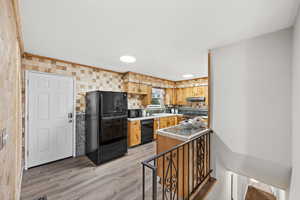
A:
x: 147, y: 130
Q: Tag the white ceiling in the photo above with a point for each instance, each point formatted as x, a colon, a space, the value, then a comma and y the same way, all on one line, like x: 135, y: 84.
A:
x: 168, y: 37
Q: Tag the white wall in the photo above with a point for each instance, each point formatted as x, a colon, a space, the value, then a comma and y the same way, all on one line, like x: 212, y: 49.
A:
x: 251, y: 99
x: 295, y: 183
x: 252, y: 95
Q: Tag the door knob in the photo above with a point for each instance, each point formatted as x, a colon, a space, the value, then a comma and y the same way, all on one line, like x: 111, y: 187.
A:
x: 70, y: 115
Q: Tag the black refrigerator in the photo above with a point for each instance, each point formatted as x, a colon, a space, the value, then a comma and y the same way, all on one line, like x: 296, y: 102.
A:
x: 106, y: 125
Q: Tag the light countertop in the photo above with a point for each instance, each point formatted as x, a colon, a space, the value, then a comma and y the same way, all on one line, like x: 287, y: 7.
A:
x: 181, y: 132
x: 154, y: 116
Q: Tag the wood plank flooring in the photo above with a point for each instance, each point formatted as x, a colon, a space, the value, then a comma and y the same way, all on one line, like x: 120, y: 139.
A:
x: 79, y: 179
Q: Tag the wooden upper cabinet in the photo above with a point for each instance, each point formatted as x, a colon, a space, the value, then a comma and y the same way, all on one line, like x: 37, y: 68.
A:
x: 134, y: 133
x: 197, y: 91
x: 170, y: 97
x: 147, y: 99
x: 179, y: 96
x: 136, y: 88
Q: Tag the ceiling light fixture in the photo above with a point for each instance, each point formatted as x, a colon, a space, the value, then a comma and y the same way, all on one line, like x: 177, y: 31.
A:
x: 253, y: 180
x: 187, y: 75
x: 128, y: 59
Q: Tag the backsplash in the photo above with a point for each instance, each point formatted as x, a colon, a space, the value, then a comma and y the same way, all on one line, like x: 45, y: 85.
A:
x: 91, y: 78
x: 134, y: 101
x: 87, y: 78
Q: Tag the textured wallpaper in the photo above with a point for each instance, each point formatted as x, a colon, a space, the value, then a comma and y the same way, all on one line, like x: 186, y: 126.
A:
x: 87, y: 79
x: 10, y: 104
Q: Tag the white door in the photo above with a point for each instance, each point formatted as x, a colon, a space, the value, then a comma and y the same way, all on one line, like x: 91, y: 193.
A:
x: 50, y: 124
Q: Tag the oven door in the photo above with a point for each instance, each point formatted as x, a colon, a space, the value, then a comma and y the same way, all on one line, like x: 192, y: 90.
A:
x: 113, y: 103
x: 113, y: 129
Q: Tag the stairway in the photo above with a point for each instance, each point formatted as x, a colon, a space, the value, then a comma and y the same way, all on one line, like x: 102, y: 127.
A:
x: 257, y: 194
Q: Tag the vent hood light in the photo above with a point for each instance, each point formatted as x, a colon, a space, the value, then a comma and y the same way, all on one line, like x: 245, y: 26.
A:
x: 187, y: 75
x: 127, y: 59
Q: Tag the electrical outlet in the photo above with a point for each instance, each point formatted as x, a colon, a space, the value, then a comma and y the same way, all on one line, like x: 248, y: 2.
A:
x: 5, y: 137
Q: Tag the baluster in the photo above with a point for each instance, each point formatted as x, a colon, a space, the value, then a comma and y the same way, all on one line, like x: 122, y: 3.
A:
x: 183, y: 169
x: 188, y: 171
x: 163, y: 181
x: 154, y: 181
x: 143, y: 182
x: 171, y: 175
x: 177, y: 180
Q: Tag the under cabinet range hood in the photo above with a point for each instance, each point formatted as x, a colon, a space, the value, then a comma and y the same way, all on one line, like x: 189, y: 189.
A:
x: 195, y: 99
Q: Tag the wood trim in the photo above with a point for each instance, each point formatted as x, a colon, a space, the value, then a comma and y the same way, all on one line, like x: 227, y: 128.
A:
x: 136, y: 73
x: 16, y: 10
x: 209, y: 90
x: 28, y: 55
x: 205, y: 77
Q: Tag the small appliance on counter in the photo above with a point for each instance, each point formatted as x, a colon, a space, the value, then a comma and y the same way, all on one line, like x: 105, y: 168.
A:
x: 134, y: 113
x: 106, y: 125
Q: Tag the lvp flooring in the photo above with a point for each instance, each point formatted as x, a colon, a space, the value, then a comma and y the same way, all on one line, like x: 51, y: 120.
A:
x: 79, y: 179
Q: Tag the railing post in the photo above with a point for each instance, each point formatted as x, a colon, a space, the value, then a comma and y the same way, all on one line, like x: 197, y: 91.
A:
x: 143, y: 182
x: 154, y: 184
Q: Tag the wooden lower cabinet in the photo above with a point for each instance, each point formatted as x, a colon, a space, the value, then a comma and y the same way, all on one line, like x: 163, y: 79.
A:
x: 179, y: 119
x: 134, y: 128
x: 134, y: 133
x: 155, y: 128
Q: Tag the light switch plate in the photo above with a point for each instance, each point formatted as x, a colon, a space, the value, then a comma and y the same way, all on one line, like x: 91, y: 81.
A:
x: 3, y: 138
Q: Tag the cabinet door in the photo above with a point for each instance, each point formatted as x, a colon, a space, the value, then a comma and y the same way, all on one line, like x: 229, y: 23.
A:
x: 148, y: 97
x: 186, y: 94
x: 162, y: 122
x: 172, y: 121
x: 196, y: 91
x: 134, y: 133
x: 179, y: 96
x: 170, y: 96
x: 179, y: 119
x: 142, y: 89
x: 155, y: 128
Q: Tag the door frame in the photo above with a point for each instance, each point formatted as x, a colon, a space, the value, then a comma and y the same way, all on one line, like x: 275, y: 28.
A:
x: 26, y: 116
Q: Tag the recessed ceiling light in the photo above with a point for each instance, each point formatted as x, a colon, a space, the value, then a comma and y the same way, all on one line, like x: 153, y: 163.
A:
x: 253, y: 180
x: 128, y: 59
x: 187, y: 75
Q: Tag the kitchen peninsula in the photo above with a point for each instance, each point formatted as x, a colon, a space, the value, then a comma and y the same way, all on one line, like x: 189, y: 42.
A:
x: 191, y: 159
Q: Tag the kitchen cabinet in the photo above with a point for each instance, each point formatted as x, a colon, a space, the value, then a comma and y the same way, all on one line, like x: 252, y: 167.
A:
x: 162, y: 122
x: 155, y: 128
x: 170, y: 97
x: 148, y: 97
x: 134, y: 128
x: 179, y: 96
x: 197, y: 91
x: 183, y: 93
x: 165, y: 122
x: 179, y: 119
x: 136, y: 88
x: 134, y: 133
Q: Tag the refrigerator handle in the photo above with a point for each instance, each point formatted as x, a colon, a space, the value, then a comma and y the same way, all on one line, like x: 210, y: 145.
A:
x: 101, y: 104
